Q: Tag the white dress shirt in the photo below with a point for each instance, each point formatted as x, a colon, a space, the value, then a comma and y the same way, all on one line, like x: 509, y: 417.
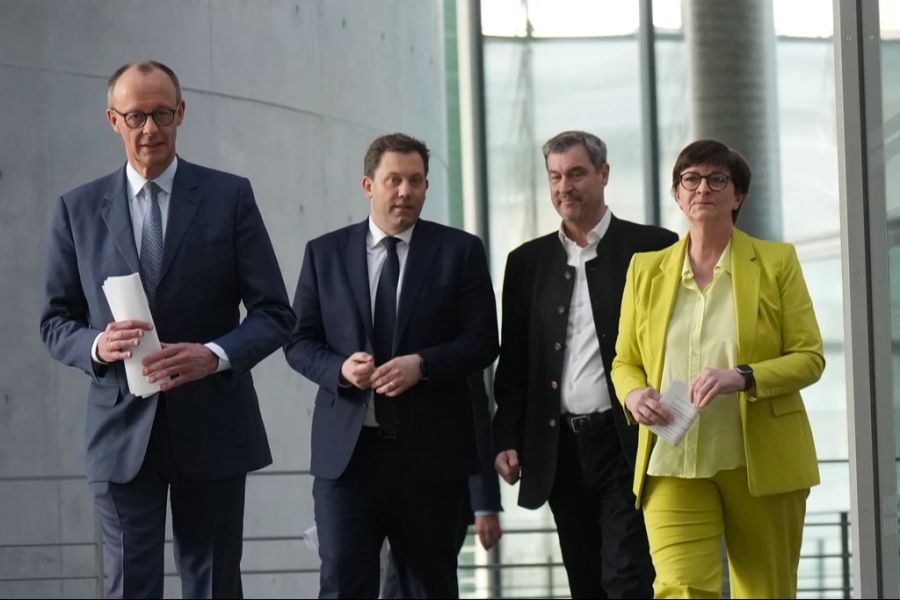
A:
x: 138, y: 206
x: 584, y: 388
x: 376, y: 254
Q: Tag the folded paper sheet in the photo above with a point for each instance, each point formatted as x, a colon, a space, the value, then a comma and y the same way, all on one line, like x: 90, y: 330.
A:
x: 676, y: 400
x: 127, y: 300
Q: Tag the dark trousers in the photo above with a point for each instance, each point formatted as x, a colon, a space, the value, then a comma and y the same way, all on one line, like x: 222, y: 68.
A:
x: 377, y: 497
x: 390, y: 584
x: 207, y: 523
x: 601, y: 533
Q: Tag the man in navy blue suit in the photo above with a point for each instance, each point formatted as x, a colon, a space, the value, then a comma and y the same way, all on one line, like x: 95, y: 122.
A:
x: 393, y: 313
x: 199, y: 243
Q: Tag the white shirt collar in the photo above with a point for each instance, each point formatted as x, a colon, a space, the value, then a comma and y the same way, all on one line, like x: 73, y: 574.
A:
x: 376, y: 234
x: 594, y: 235
x: 136, y: 181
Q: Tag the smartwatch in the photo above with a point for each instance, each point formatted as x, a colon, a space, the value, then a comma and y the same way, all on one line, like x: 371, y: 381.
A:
x: 746, y: 371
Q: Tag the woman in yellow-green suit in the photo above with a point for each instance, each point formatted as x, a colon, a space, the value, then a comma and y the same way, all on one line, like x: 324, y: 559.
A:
x: 730, y: 316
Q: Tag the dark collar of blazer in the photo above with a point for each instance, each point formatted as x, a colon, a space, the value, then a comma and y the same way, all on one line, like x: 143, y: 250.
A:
x: 183, y: 205
x: 611, y: 246
x: 423, y: 248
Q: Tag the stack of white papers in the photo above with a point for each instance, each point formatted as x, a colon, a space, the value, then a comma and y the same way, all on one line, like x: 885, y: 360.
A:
x: 678, y: 403
x: 127, y: 300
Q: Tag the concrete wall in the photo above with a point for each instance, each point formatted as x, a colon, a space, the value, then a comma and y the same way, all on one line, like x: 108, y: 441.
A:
x: 288, y: 93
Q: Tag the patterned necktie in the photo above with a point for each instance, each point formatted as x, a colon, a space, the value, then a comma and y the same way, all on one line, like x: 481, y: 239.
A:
x: 384, y: 325
x: 151, y: 242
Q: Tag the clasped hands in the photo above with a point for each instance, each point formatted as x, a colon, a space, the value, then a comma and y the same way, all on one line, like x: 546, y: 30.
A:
x: 646, y: 408
x: 390, y: 379
x: 182, y: 362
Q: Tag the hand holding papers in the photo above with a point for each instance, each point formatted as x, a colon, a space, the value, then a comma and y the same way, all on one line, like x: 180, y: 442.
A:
x: 677, y: 401
x: 127, y: 300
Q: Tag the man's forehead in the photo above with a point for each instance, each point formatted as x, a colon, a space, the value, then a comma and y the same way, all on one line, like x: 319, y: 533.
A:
x: 135, y: 81
x: 401, y: 163
x: 568, y: 159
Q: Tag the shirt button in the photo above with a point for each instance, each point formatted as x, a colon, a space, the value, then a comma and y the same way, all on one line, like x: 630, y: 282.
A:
x: 561, y: 309
x: 552, y: 422
x: 557, y: 346
x: 554, y: 385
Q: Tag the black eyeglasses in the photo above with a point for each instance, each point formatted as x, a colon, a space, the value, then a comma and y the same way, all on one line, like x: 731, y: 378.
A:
x: 715, y: 181
x: 135, y: 119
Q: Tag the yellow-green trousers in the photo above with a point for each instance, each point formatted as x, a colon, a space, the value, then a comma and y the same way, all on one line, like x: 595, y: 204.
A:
x: 685, y: 520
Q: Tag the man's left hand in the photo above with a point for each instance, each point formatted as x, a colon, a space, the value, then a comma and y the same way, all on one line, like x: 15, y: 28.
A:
x: 181, y: 363
x: 397, y: 375
x: 488, y: 529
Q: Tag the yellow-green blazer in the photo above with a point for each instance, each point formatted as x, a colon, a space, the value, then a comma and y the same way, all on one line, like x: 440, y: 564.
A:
x: 777, y: 335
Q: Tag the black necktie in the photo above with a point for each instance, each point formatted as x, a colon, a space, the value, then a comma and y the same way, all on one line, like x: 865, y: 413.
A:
x: 384, y: 324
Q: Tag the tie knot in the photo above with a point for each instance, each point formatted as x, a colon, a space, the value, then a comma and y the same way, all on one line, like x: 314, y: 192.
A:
x: 151, y: 190
x: 390, y: 243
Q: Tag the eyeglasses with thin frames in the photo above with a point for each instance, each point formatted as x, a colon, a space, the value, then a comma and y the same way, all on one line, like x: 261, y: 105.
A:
x: 135, y: 119
x: 716, y: 181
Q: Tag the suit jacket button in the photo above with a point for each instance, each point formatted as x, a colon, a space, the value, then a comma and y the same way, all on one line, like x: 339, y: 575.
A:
x: 557, y: 346
x: 552, y: 423
x: 561, y: 309
x: 554, y: 385
x: 568, y: 274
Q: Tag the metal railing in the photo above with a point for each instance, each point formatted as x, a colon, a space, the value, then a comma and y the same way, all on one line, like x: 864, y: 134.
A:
x: 824, y: 571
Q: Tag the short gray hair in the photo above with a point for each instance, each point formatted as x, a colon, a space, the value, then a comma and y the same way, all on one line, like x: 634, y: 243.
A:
x: 561, y: 142
x: 145, y: 67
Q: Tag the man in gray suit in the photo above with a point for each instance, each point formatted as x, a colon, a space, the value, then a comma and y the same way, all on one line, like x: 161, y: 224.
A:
x: 199, y: 243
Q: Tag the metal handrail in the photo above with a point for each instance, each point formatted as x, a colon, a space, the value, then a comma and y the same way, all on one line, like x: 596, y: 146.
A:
x: 843, y: 524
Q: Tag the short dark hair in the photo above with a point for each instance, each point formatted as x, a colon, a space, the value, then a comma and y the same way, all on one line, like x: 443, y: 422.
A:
x: 561, y: 142
x: 715, y: 154
x: 393, y: 142
x: 145, y: 67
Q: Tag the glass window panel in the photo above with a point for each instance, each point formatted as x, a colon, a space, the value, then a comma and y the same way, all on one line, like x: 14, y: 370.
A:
x: 559, y: 18
x: 535, y: 89
x: 889, y: 15
x: 804, y: 18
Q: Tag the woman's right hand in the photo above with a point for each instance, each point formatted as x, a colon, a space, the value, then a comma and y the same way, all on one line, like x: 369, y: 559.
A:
x: 645, y: 407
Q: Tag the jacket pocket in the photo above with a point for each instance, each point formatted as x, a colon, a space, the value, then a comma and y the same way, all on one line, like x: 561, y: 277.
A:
x: 787, y: 404
x: 324, y: 398
x: 104, y: 395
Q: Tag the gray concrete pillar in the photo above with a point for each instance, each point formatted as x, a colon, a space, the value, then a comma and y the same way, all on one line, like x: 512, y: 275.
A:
x: 732, y: 56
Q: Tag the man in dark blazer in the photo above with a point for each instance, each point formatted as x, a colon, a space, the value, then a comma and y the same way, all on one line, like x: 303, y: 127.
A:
x: 197, y: 238
x: 392, y: 315
x: 559, y: 428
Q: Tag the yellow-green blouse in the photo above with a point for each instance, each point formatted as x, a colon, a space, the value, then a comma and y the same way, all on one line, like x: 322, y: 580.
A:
x: 702, y: 333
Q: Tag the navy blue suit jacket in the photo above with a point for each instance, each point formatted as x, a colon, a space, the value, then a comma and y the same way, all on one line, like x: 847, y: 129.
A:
x: 217, y: 255
x: 445, y: 312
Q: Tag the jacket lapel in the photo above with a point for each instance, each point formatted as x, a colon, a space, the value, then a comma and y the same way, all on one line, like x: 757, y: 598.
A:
x: 183, y: 205
x: 422, y: 251
x: 117, y: 217
x: 745, y: 286
x: 356, y: 263
x: 663, y: 291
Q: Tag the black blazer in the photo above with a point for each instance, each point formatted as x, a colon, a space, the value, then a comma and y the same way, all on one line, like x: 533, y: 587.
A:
x: 446, y: 313
x: 537, y: 291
